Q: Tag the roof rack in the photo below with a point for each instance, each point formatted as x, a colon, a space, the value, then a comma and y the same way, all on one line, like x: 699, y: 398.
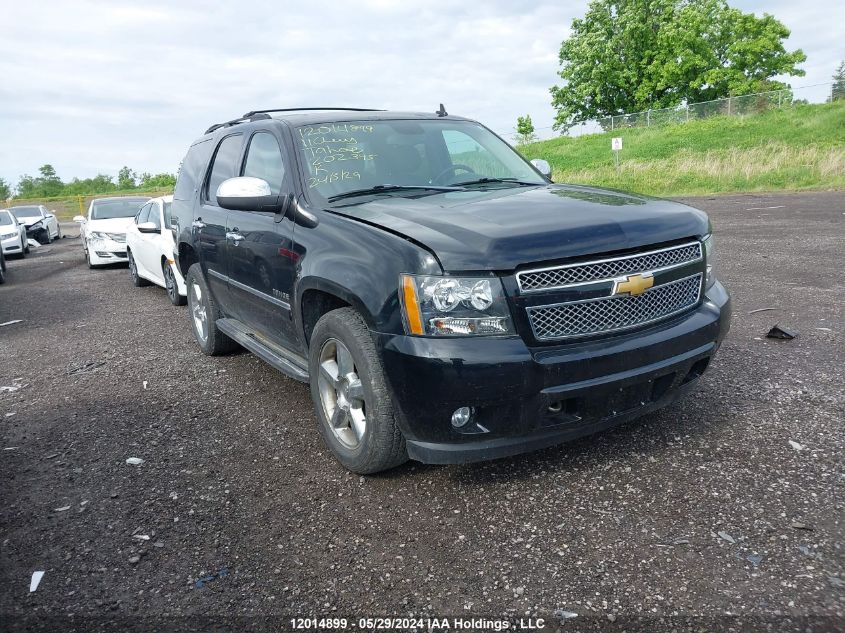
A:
x: 253, y: 112
x: 249, y: 116
x: 257, y: 115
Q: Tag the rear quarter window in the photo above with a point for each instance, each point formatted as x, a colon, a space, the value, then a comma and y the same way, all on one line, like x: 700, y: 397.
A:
x: 192, y: 169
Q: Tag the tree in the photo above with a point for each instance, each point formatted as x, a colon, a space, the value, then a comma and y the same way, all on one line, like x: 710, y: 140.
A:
x: 5, y: 190
x: 126, y: 178
x: 837, y: 90
x: 525, y: 130
x: 150, y: 182
x: 48, y: 184
x: 635, y: 55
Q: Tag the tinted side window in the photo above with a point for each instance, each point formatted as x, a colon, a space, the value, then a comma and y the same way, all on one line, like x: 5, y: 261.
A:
x: 168, y: 222
x: 192, y: 169
x: 155, y: 215
x: 224, y: 165
x: 264, y: 160
x: 143, y: 214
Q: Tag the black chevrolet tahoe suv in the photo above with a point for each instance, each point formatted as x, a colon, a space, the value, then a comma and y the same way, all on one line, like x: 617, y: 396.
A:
x: 444, y: 299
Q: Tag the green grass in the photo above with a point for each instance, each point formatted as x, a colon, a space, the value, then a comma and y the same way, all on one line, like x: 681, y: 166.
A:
x: 794, y: 148
x: 66, y: 207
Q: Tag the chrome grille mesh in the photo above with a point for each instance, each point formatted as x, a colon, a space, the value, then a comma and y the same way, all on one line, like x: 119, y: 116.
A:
x: 534, y: 280
x: 614, y: 313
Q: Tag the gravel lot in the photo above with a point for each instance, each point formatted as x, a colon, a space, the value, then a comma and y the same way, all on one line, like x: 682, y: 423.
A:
x: 705, y: 515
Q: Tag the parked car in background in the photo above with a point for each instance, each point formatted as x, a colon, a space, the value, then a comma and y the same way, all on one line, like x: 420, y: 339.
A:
x: 12, y: 234
x: 103, y: 229
x: 444, y: 299
x: 149, y: 248
x: 41, y: 224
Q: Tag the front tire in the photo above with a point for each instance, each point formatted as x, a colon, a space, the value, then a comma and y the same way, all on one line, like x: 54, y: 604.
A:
x: 171, y: 286
x: 137, y: 280
x: 354, y: 409
x: 24, y: 247
x: 204, y: 313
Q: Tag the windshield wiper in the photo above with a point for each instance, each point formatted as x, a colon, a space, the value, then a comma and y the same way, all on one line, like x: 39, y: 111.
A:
x: 484, y: 181
x: 389, y: 188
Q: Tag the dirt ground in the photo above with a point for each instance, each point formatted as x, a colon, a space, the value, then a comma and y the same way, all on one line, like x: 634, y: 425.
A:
x: 724, y: 510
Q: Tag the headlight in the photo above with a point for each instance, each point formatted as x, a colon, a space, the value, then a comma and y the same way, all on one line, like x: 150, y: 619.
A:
x: 6, y: 236
x: 100, y: 235
x: 454, y: 306
x: 710, y: 260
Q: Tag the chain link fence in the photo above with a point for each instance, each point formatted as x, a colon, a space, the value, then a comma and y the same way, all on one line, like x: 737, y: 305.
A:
x: 730, y: 106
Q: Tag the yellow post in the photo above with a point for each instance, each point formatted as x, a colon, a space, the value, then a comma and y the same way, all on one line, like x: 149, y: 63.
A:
x: 81, y: 210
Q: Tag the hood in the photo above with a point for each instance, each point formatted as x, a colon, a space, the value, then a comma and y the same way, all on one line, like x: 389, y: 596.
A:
x: 30, y: 221
x: 504, y: 229
x: 110, y: 225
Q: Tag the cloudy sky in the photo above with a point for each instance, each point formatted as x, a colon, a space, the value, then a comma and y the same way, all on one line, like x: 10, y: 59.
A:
x: 92, y: 86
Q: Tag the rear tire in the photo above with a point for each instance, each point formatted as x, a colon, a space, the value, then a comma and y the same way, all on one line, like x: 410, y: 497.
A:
x: 137, y: 280
x: 204, y: 313
x: 354, y: 409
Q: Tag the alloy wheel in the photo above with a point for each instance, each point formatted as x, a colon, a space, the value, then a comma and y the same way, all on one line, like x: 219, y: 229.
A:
x: 170, y: 282
x: 133, y: 269
x: 342, y: 394
x: 199, y: 313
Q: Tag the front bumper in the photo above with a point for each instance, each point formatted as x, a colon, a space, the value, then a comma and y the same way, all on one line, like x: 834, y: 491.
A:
x: 11, y: 245
x: 529, y: 398
x: 106, y: 251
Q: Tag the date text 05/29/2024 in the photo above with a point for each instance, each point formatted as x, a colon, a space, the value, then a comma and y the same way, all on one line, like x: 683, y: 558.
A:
x: 417, y: 624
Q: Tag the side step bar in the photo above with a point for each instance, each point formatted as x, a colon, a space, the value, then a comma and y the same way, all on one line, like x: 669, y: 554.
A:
x: 289, y: 363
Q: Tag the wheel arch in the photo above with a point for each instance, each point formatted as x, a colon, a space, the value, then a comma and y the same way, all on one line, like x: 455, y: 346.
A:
x: 185, y: 258
x: 317, y: 297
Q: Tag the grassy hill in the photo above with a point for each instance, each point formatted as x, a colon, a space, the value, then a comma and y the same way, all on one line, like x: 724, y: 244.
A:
x: 800, y: 147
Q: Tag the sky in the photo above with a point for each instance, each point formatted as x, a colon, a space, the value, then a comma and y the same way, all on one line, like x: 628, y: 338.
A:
x: 91, y: 86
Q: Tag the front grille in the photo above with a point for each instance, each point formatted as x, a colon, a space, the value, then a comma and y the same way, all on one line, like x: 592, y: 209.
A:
x: 608, y: 314
x: 562, y: 276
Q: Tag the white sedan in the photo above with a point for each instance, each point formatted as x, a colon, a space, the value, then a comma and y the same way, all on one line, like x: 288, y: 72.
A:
x: 12, y: 234
x: 37, y: 217
x: 103, y: 229
x: 150, y: 248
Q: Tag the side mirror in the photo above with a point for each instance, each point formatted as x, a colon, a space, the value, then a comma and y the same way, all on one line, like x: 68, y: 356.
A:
x: 245, y: 193
x: 148, y: 227
x: 79, y: 218
x: 543, y: 167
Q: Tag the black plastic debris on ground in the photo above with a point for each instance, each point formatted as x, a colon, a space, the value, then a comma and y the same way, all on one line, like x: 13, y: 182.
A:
x: 781, y: 333
x: 86, y: 367
x: 202, y: 582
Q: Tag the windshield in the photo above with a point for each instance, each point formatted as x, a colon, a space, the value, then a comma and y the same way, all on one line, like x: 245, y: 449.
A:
x: 116, y: 208
x: 6, y: 218
x: 27, y: 212
x: 348, y: 156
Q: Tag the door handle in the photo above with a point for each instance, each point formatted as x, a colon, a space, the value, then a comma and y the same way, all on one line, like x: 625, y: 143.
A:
x: 198, y: 224
x: 234, y: 236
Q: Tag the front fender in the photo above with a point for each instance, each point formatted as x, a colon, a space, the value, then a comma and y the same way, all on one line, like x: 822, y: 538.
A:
x: 359, y: 264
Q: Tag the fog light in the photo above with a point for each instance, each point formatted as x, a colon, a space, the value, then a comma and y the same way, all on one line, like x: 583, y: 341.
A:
x: 461, y: 417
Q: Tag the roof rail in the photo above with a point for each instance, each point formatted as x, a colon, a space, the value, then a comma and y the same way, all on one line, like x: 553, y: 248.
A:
x: 249, y: 116
x: 254, y: 112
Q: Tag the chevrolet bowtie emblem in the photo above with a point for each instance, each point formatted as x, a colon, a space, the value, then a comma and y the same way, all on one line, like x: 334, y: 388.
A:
x: 633, y: 285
